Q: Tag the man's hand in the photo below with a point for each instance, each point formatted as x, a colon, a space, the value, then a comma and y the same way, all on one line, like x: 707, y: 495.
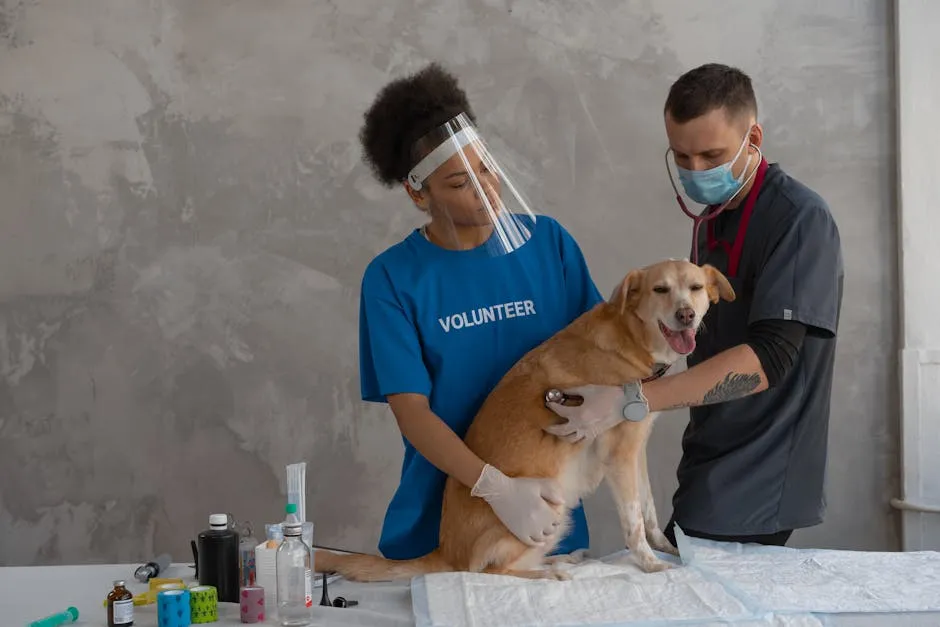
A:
x: 603, y: 407
x: 531, y: 509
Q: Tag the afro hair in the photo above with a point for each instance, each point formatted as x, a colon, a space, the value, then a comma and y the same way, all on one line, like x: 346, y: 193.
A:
x: 403, y: 112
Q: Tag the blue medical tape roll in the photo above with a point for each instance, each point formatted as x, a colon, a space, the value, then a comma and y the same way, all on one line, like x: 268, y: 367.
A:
x: 173, y: 608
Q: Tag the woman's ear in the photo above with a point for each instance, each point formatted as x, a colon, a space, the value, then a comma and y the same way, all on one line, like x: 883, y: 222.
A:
x: 419, y: 198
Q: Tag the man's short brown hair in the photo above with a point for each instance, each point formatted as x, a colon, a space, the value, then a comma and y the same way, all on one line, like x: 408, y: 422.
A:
x: 709, y: 87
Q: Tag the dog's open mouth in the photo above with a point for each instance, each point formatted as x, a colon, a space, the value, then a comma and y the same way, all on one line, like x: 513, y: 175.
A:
x: 683, y: 342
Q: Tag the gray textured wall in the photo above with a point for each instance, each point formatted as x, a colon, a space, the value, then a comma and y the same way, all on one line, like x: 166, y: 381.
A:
x: 185, y: 220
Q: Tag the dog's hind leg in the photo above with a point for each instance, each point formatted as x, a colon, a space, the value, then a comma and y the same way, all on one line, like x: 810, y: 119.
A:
x: 575, y: 557
x: 545, y: 573
x: 654, y: 534
x: 498, y: 552
x: 622, y: 470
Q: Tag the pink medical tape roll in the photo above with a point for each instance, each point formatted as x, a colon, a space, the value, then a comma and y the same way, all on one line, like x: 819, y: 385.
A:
x: 251, y: 600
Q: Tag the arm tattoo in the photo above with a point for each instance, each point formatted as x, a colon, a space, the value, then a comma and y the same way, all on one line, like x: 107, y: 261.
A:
x: 734, y: 385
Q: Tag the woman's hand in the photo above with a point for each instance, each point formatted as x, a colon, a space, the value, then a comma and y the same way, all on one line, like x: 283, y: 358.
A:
x: 531, y: 509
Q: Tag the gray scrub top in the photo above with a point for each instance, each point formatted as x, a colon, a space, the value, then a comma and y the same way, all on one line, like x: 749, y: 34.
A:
x: 757, y: 465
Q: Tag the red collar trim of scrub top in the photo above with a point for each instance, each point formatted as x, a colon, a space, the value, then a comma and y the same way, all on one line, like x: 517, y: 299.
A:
x: 734, y: 250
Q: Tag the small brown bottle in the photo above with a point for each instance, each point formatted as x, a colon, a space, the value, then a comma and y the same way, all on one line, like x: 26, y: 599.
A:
x: 120, y: 606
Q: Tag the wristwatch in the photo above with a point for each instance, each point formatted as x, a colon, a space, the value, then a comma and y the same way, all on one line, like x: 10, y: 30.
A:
x: 635, y: 406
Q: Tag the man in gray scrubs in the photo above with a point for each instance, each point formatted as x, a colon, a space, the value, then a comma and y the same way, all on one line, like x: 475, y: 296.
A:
x: 759, y: 380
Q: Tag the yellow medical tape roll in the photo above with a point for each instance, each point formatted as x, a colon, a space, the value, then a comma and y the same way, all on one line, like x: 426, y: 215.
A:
x: 203, y: 604
x: 156, y: 582
x: 150, y: 596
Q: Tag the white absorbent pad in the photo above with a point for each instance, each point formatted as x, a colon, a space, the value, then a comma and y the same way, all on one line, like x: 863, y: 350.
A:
x: 820, y: 581
x: 715, y: 584
x: 608, y: 592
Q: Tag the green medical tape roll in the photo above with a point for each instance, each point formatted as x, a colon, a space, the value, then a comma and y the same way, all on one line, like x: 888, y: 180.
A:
x: 204, y: 604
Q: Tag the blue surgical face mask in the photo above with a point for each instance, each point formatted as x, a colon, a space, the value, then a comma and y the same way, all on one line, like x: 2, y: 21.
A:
x: 716, y: 185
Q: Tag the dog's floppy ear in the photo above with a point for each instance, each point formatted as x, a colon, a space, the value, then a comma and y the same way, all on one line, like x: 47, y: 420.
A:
x: 718, y: 286
x: 625, y: 296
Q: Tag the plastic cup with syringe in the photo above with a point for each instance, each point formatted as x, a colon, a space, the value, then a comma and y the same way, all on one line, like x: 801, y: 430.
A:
x: 151, y: 569
x: 70, y: 615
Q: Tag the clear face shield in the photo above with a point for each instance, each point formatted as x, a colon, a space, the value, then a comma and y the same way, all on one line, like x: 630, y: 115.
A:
x: 472, y: 201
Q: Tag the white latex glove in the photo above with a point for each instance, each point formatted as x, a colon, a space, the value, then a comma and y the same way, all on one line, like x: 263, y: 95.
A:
x: 601, y: 409
x: 522, y: 504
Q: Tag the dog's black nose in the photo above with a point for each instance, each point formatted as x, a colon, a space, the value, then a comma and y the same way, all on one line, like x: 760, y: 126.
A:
x: 685, y: 315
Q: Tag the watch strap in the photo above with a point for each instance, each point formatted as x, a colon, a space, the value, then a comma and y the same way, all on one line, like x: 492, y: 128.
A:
x: 635, y: 406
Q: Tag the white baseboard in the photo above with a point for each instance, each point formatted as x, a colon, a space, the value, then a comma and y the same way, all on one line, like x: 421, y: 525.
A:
x: 920, y: 449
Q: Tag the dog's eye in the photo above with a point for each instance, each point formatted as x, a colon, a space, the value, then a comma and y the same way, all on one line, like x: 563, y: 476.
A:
x: 661, y: 289
x: 696, y: 287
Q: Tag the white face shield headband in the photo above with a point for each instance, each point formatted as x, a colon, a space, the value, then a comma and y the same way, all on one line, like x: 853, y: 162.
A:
x: 471, y: 189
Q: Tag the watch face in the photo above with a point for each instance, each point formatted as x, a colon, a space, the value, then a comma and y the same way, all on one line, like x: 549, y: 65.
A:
x: 634, y: 411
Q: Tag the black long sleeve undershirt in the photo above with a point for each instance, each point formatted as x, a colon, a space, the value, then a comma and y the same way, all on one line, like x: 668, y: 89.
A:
x: 777, y: 344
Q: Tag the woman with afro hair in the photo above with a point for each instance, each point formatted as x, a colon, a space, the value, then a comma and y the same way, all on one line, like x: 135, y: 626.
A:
x: 435, y: 373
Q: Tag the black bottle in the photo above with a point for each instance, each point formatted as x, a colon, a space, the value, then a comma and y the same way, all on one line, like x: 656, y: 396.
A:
x: 218, y: 558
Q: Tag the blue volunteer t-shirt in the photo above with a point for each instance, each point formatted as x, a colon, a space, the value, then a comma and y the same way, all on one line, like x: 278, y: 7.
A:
x: 449, y: 324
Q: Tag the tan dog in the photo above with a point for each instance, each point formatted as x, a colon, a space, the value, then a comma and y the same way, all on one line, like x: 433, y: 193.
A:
x: 651, y: 318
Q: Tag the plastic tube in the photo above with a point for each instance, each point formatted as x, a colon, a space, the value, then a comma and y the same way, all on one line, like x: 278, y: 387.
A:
x: 53, y: 620
x: 297, y: 488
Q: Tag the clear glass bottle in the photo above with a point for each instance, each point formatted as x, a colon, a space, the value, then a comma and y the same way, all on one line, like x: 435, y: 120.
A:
x: 294, y: 583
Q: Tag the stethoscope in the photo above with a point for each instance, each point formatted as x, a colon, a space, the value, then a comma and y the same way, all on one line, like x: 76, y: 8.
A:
x: 701, y: 219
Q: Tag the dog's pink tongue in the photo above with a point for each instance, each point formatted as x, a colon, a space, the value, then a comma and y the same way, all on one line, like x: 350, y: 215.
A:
x: 683, y: 342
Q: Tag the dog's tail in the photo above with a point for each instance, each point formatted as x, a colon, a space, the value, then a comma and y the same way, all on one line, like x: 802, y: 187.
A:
x: 368, y: 568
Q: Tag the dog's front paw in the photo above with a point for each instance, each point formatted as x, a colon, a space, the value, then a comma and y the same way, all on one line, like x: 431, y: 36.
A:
x: 668, y: 548
x: 660, y: 542
x: 653, y: 565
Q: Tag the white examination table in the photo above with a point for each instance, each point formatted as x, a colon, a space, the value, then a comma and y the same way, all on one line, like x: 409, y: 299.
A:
x: 742, y: 586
